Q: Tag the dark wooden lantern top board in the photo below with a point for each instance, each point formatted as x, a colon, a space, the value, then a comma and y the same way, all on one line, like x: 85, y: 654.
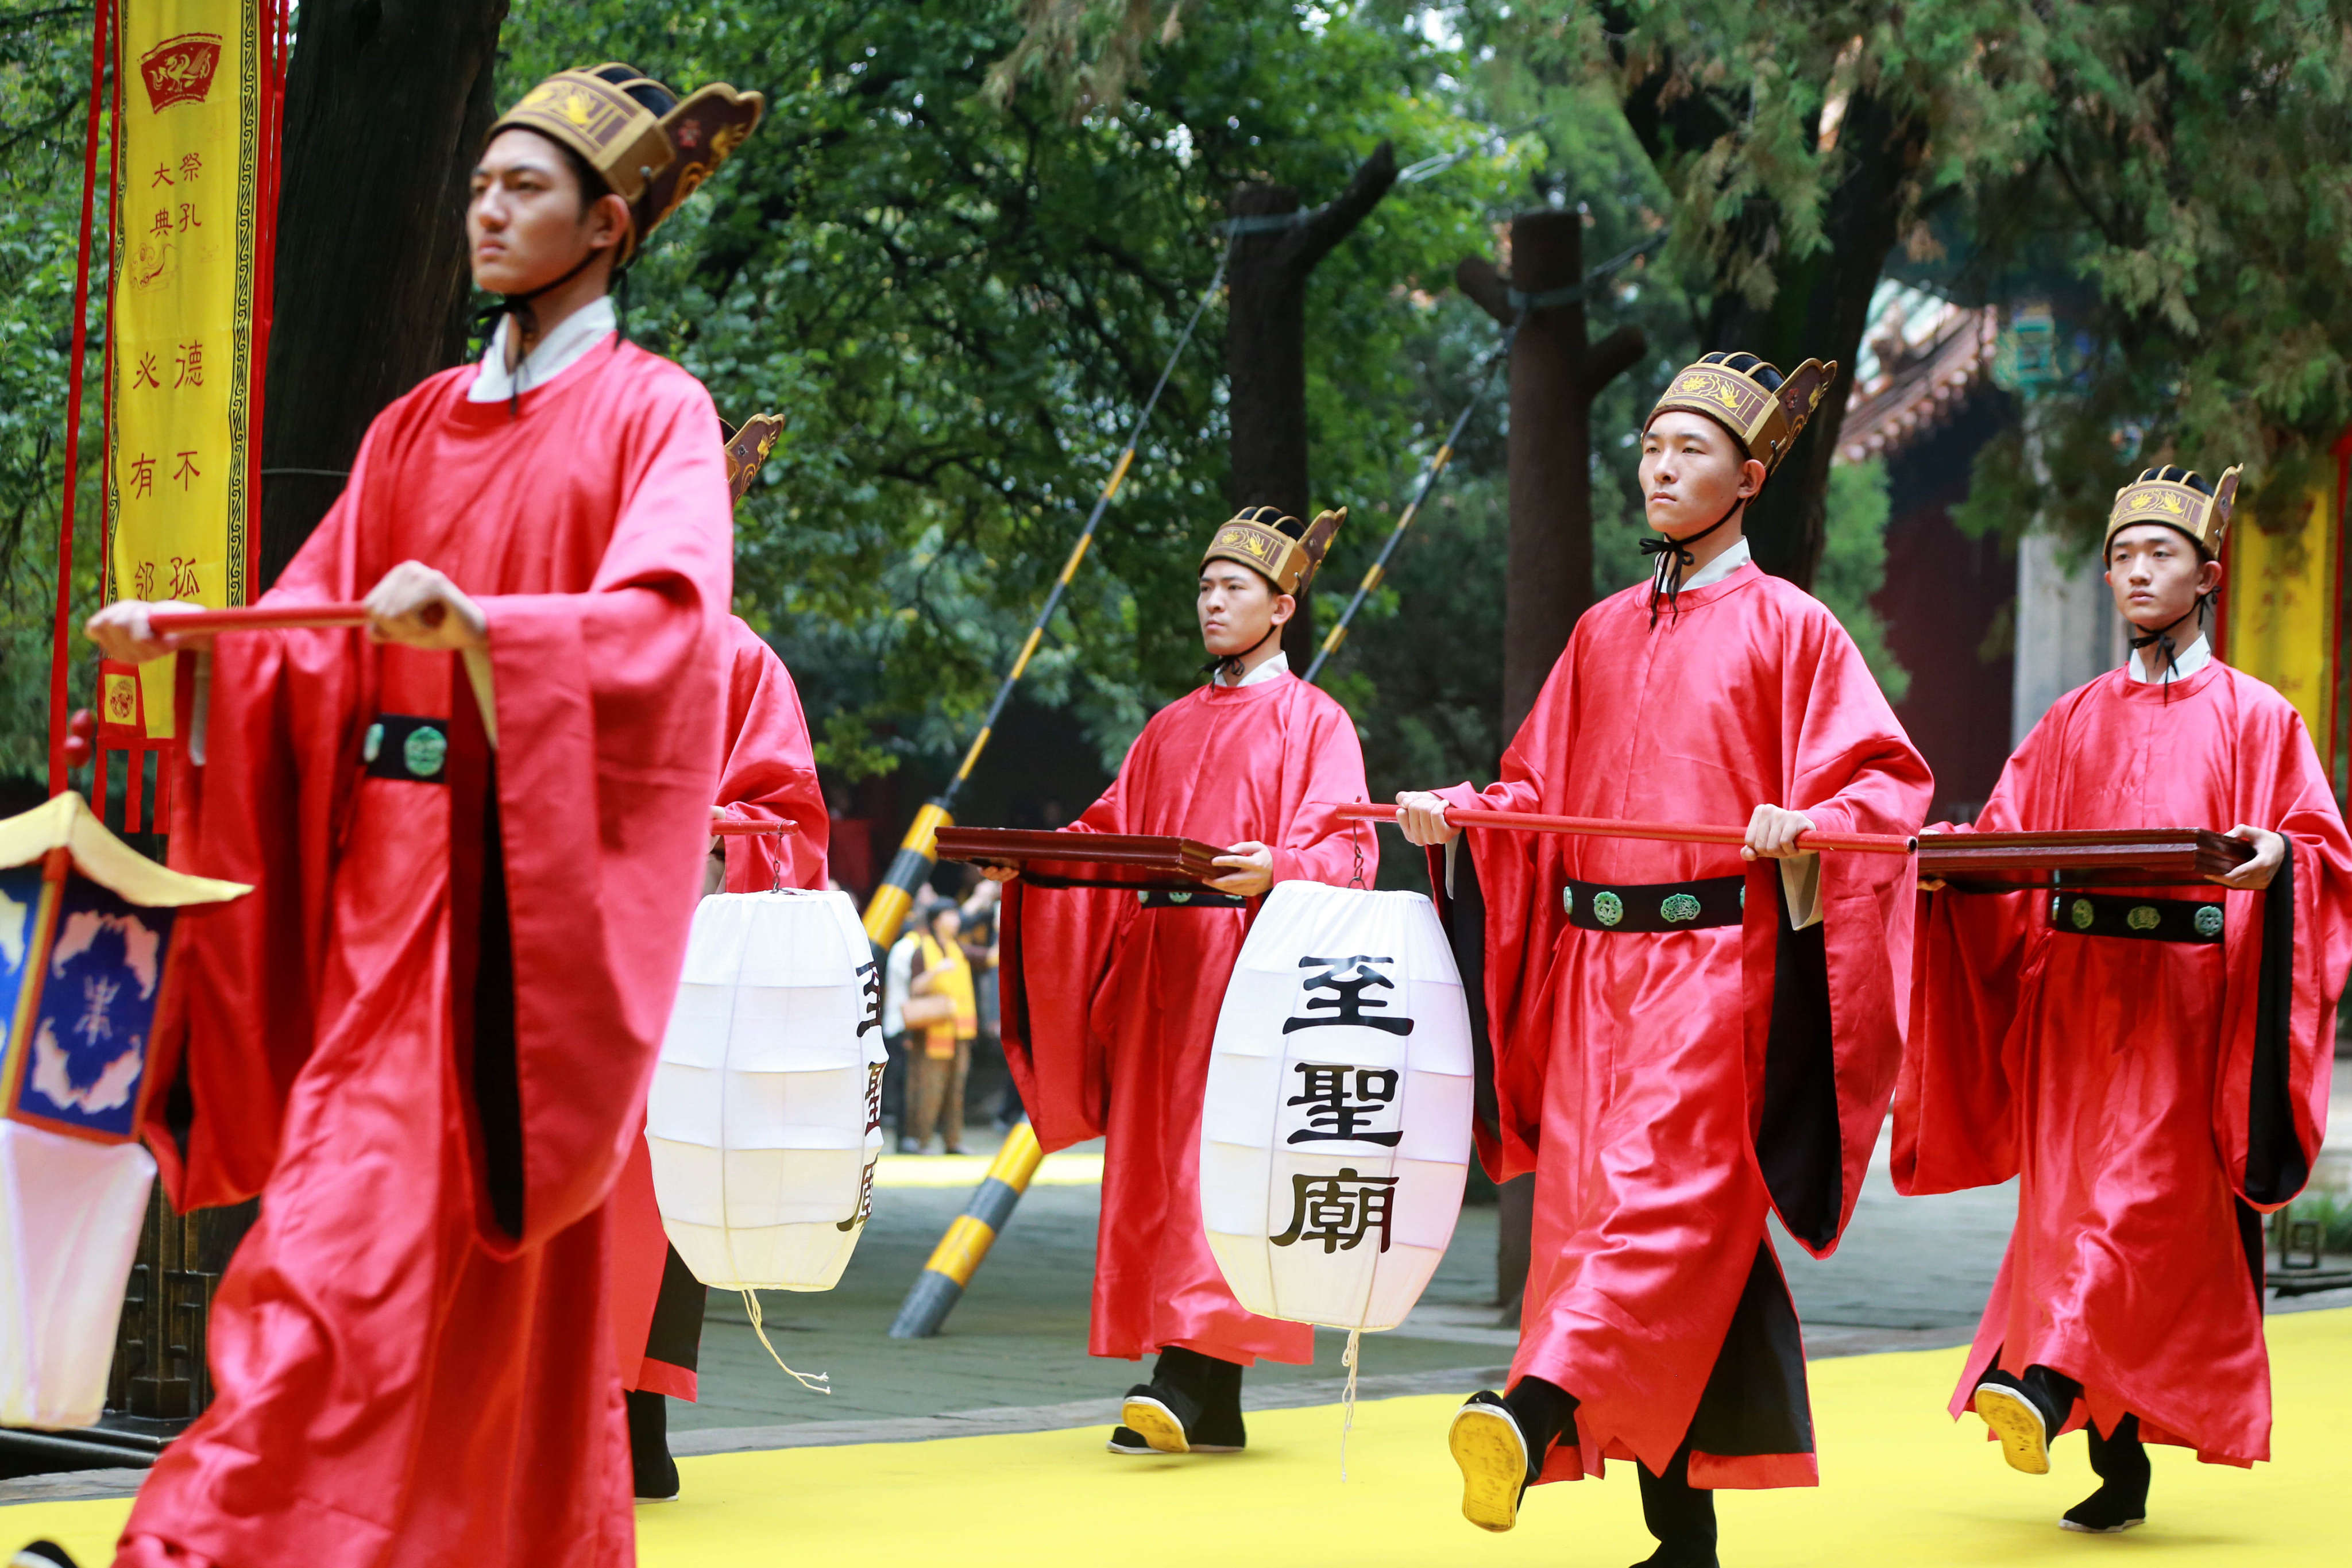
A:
x: 2136, y: 857
x: 1145, y: 861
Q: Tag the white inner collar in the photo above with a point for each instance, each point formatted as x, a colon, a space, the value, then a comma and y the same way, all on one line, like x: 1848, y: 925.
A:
x: 2186, y: 662
x: 558, y: 351
x: 1722, y: 566
x: 1272, y: 669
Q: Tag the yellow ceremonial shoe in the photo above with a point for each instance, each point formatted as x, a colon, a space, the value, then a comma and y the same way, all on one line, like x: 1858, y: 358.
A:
x: 2024, y: 1436
x: 1492, y: 1452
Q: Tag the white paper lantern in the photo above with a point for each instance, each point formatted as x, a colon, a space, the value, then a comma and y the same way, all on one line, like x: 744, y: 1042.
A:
x: 765, y: 1118
x: 69, y: 1215
x: 1336, y: 1136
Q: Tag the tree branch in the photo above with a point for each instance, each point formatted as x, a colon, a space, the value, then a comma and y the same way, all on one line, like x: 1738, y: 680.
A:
x: 1314, y: 238
x: 1477, y: 277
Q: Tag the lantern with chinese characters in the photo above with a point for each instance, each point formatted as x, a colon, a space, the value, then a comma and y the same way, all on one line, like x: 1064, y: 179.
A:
x: 1336, y: 1135
x: 86, y: 926
x: 765, y: 1118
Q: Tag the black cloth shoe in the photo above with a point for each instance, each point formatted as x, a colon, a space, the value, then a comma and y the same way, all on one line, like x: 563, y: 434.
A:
x: 2019, y: 1410
x: 2121, y: 1464
x: 653, y: 1473
x: 1192, y: 1406
x: 1679, y: 1515
x: 1495, y: 1458
x: 1128, y: 1440
x: 42, y: 1554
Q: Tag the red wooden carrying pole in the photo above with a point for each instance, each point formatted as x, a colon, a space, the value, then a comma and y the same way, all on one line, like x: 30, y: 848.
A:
x: 751, y: 829
x: 259, y: 618
x: 1607, y: 827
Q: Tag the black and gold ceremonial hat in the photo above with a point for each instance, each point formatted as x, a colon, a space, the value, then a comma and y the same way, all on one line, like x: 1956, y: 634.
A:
x: 1283, y: 550
x: 1763, y: 410
x: 652, y: 147
x: 2180, y: 499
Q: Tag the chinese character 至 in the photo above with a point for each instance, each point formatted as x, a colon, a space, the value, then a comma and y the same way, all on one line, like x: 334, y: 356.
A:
x: 143, y: 475
x: 187, y: 473
x: 871, y: 981
x: 1347, y: 978
x: 188, y: 366
x: 147, y: 373
x: 1337, y: 1115
x: 1338, y: 1211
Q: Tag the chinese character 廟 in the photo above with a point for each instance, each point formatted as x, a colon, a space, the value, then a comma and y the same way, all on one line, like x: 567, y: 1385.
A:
x: 1334, y: 1115
x: 1347, y: 978
x: 1338, y: 1211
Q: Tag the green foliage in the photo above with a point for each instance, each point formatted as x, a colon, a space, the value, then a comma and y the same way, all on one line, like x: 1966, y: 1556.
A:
x: 43, y: 87
x: 959, y: 307
x: 1854, y: 567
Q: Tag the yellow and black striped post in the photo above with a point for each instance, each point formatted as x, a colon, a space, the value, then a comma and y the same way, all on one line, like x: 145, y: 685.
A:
x: 965, y: 1245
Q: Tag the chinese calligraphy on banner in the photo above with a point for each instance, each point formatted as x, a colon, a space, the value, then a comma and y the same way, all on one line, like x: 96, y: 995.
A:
x: 187, y: 194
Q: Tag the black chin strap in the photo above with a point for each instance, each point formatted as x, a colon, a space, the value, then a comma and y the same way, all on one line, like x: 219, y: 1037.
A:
x: 2162, y: 639
x: 517, y: 307
x: 1230, y: 664
x: 1673, y: 554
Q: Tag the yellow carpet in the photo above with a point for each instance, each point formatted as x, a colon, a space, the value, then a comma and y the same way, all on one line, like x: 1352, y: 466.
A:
x: 1901, y: 1486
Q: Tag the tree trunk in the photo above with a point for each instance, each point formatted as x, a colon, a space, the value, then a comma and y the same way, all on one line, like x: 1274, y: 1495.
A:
x: 386, y: 103
x: 1820, y: 310
x: 1265, y: 346
x: 1555, y: 375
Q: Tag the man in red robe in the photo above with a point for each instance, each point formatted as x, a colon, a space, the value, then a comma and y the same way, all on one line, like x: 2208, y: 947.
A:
x: 769, y: 777
x: 2152, y: 1067
x: 1110, y: 998
x: 1683, y: 1037
x: 474, y: 835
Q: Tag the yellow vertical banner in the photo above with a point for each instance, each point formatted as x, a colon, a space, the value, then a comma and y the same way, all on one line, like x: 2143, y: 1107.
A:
x: 2281, y: 592
x: 187, y: 194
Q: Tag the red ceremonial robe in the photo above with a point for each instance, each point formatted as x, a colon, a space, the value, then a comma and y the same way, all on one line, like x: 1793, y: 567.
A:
x: 1668, y: 1088
x: 426, y: 1037
x: 2153, y: 1095
x: 770, y: 776
x: 1110, y: 1008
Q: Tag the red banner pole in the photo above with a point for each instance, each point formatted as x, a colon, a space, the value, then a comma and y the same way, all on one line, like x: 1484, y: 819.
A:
x: 1609, y: 827
x: 58, y: 661
x: 260, y: 618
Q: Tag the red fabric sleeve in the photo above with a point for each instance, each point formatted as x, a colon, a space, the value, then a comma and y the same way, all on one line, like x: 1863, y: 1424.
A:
x: 608, y: 706
x: 1326, y: 771
x: 1056, y: 949
x: 2285, y: 958
x: 1850, y: 768
x: 281, y: 729
x: 770, y: 773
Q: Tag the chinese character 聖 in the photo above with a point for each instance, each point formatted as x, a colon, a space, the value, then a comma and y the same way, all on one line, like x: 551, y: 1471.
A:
x: 871, y: 979
x: 1347, y: 979
x: 1338, y: 1211
x: 1342, y: 1112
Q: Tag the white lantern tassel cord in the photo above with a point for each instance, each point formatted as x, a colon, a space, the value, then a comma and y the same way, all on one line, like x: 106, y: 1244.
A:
x: 822, y: 1383
x: 1349, y: 1358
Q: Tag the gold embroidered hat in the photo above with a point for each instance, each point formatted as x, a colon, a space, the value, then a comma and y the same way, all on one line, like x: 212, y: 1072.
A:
x: 652, y: 148
x: 2180, y: 499
x: 1280, y: 547
x: 1763, y: 411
